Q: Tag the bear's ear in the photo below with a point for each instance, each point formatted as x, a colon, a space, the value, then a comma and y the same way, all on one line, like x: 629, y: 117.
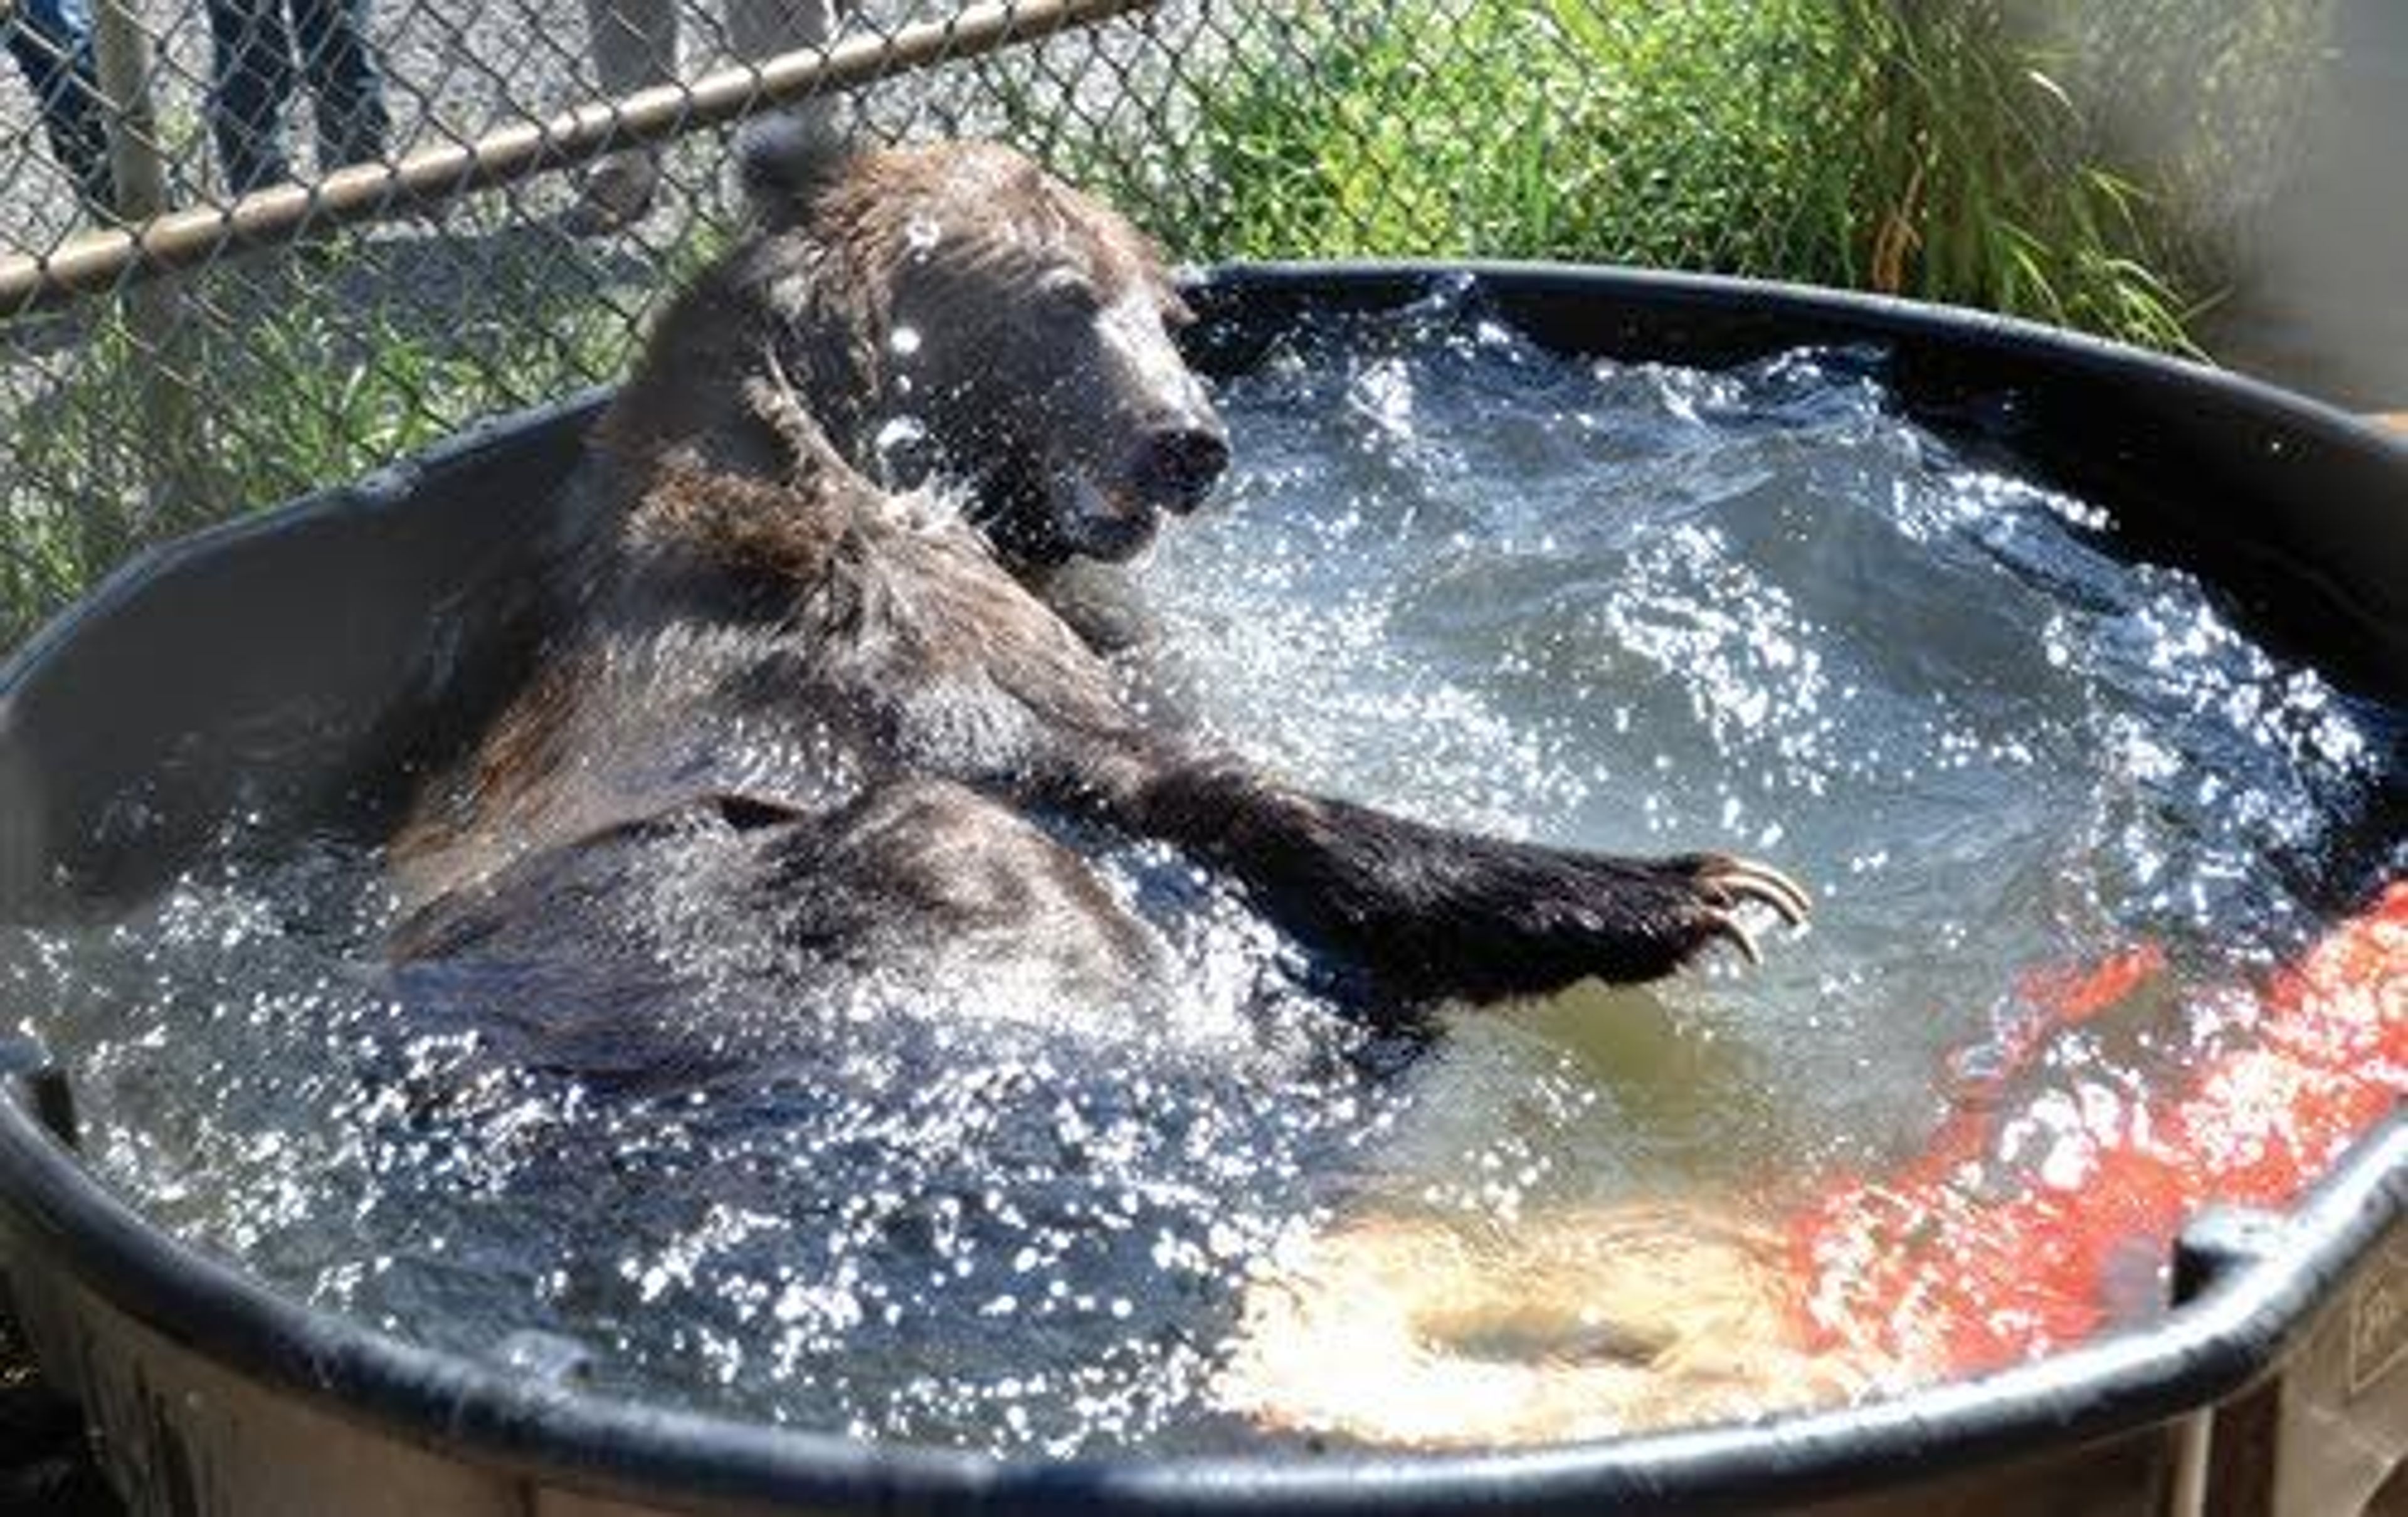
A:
x: 785, y: 160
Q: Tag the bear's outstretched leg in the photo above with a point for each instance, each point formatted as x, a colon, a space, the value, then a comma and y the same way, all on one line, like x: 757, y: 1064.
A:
x: 1435, y: 914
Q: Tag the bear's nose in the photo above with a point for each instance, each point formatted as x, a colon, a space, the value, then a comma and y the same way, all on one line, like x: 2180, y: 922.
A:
x: 1182, y: 462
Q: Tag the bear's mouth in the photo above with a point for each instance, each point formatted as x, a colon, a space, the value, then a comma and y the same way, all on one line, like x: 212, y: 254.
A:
x: 1095, y: 520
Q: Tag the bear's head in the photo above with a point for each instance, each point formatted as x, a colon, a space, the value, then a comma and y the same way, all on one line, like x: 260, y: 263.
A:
x: 953, y: 309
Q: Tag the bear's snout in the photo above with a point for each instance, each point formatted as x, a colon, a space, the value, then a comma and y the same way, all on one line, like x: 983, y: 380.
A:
x: 1179, y: 462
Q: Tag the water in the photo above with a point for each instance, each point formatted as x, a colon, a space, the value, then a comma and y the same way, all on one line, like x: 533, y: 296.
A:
x: 1630, y: 608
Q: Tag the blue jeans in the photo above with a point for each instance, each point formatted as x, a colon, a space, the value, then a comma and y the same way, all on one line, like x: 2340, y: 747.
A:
x: 259, y: 60
x: 52, y: 41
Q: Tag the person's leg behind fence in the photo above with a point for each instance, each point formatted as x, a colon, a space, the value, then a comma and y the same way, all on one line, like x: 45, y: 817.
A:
x: 251, y: 78
x: 346, y: 90
x: 52, y: 42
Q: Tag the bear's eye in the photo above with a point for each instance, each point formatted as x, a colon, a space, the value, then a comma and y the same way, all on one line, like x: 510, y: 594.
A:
x: 1067, y: 293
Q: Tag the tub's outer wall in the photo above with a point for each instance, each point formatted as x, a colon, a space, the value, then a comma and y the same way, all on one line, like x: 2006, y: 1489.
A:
x: 211, y: 1397
x: 177, y: 1435
x: 2327, y: 1430
x: 180, y: 1437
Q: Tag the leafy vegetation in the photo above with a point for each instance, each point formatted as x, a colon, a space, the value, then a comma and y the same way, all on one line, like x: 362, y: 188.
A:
x: 258, y: 384
x: 1977, y: 180
x: 1904, y: 146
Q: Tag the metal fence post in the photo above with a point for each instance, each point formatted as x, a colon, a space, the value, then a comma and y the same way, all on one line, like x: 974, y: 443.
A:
x: 174, y: 482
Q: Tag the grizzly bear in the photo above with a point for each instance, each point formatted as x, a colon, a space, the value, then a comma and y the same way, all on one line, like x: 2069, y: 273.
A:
x: 782, y: 692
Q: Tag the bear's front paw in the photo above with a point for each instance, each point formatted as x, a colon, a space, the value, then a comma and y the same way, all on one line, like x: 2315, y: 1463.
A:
x: 1625, y: 921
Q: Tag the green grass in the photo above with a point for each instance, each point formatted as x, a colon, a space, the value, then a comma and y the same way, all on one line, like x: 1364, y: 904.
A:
x: 1978, y: 182
x: 1905, y: 146
x: 1517, y: 130
x: 276, y: 379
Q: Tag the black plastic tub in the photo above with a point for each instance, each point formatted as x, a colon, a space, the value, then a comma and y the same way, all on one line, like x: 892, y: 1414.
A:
x: 276, y: 666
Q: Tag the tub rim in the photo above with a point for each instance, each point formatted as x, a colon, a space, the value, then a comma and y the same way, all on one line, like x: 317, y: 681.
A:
x: 615, y: 1445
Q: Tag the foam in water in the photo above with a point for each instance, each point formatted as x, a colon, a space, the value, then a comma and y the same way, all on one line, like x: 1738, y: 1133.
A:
x: 1625, y: 607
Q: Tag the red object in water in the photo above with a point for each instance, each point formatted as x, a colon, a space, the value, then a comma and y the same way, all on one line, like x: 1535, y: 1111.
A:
x: 2074, y: 997
x: 2013, y: 1232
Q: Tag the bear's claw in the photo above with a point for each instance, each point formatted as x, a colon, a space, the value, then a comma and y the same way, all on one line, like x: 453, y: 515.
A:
x: 1734, y: 881
x: 1725, y: 925
x: 1728, y: 883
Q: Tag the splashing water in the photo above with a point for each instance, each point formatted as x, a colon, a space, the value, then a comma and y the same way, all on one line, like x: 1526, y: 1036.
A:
x: 1625, y: 607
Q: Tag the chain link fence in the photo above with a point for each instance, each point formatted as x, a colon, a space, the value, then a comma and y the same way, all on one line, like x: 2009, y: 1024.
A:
x: 362, y: 223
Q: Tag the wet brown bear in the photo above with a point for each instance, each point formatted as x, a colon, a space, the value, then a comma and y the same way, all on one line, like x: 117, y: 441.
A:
x: 839, y: 715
